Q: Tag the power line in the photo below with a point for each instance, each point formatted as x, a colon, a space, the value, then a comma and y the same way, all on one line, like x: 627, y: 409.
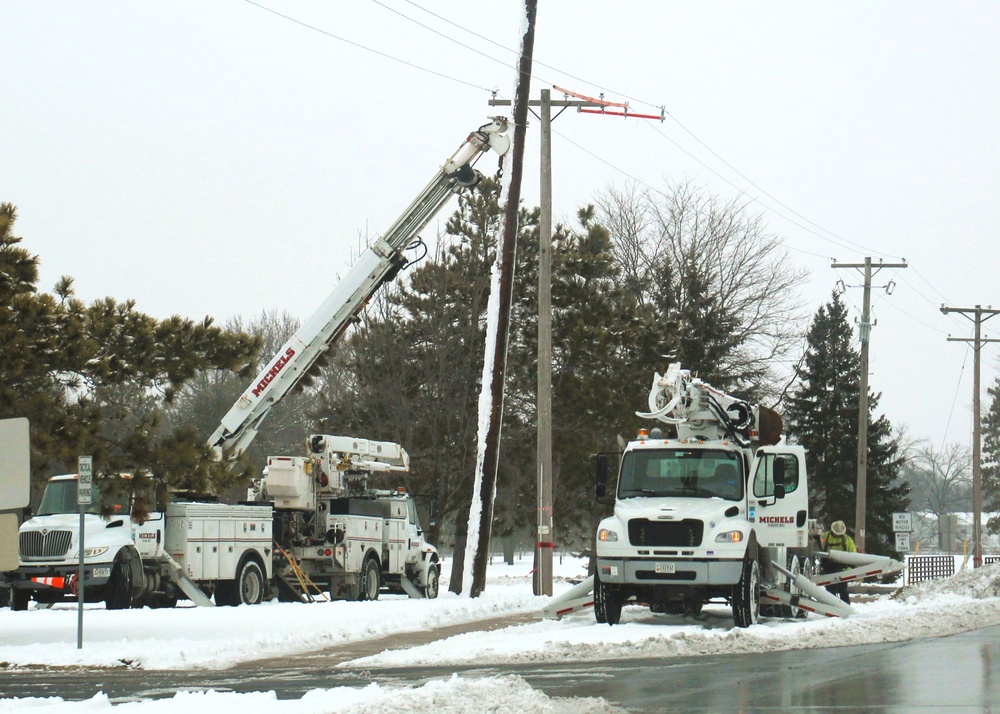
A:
x: 835, y: 239
x: 364, y: 47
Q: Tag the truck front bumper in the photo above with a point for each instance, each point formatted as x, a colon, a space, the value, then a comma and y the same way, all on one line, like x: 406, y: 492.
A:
x: 667, y: 571
x: 58, y: 578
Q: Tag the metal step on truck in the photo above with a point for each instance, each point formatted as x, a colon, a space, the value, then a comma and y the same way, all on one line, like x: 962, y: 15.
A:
x: 717, y: 509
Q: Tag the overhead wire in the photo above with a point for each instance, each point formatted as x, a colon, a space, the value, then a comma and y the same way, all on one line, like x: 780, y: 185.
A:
x: 831, y: 236
x: 365, y: 47
x: 958, y: 386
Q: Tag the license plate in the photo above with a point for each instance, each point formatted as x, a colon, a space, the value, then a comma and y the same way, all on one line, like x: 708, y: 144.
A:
x: 102, y: 572
x: 666, y: 568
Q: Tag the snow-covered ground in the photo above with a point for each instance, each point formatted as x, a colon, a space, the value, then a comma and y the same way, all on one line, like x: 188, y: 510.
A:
x: 191, y: 638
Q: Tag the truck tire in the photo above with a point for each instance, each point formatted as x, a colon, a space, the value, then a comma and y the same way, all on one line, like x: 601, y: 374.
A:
x: 807, y: 570
x: 19, y: 599
x: 250, y: 583
x: 371, y: 580
x: 746, y: 595
x: 607, y: 602
x: 118, y: 591
x: 433, y: 582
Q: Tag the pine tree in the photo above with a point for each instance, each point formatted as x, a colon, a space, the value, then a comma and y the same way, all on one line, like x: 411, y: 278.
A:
x: 92, y: 379
x: 822, y: 415
x: 991, y: 459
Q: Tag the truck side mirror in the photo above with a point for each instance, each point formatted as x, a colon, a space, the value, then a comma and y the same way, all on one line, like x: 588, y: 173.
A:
x: 432, y: 518
x: 601, y: 476
x: 779, y: 478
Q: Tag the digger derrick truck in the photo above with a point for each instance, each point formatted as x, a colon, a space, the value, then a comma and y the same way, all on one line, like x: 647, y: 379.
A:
x: 337, y: 533
x: 717, y: 509
x: 313, y: 521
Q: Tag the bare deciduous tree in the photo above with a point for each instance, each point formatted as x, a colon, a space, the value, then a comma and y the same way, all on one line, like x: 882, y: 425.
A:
x: 713, y: 268
x: 940, y: 482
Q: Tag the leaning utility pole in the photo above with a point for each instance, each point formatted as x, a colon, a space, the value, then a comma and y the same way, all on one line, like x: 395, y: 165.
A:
x: 864, y: 332
x: 495, y: 364
x: 977, y: 480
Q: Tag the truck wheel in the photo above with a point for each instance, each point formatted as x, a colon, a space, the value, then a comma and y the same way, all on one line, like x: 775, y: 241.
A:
x: 19, y: 599
x: 250, y: 584
x: 746, y: 595
x: 807, y: 570
x: 433, y: 582
x: 118, y: 595
x: 607, y: 602
x: 370, y: 580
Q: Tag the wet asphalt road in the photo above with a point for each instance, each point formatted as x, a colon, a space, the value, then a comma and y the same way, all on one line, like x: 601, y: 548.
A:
x: 958, y: 673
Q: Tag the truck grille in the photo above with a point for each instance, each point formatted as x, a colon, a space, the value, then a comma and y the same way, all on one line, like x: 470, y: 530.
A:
x: 676, y: 534
x: 54, y: 544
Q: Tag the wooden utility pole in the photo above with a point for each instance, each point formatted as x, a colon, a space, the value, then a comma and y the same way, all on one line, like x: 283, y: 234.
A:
x: 545, y: 543
x: 979, y: 316
x: 864, y: 332
x: 489, y: 459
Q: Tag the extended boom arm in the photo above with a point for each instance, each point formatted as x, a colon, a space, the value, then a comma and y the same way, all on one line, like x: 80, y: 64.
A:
x: 377, y: 265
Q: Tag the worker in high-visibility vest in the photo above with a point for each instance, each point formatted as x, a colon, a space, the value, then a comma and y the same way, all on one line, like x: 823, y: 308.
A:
x: 837, y: 539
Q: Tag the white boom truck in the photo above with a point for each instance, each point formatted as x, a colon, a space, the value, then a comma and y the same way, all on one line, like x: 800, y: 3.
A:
x: 717, y: 510
x: 313, y: 523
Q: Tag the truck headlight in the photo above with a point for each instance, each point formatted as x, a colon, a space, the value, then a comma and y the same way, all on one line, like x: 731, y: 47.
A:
x: 607, y: 536
x: 729, y: 537
x: 93, y: 552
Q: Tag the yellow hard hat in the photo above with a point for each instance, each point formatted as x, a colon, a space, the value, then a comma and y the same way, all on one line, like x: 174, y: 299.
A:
x: 838, y: 528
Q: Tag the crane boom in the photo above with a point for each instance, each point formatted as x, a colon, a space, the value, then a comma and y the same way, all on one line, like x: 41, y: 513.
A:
x: 379, y: 264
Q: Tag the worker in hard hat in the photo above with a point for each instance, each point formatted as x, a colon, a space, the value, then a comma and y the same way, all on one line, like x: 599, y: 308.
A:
x: 837, y: 539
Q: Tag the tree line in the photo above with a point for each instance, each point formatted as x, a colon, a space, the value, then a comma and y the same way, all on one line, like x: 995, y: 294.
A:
x: 641, y: 278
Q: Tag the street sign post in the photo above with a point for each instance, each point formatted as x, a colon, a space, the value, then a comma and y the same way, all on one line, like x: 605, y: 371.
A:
x: 84, y: 497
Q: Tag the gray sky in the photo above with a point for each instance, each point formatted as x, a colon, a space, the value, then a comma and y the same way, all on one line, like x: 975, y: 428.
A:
x: 219, y: 159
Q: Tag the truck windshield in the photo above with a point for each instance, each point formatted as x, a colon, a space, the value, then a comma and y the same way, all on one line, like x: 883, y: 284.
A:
x: 698, y: 473
x: 60, y: 497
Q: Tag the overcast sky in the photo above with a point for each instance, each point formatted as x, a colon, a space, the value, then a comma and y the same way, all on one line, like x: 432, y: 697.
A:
x: 220, y: 159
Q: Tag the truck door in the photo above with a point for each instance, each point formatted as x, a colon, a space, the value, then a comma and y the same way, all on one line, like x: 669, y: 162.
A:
x: 147, y: 532
x: 779, y: 497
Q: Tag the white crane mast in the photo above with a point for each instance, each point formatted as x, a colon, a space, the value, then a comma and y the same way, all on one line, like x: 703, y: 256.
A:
x: 377, y: 265
x: 696, y: 408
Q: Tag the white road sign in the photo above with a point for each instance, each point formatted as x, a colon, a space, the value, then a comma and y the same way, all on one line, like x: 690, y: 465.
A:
x: 85, y: 470
x: 902, y: 522
x: 903, y: 542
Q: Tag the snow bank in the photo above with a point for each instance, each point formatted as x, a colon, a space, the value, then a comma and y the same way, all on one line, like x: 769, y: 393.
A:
x: 192, y: 637
x: 968, y: 601
x: 451, y: 696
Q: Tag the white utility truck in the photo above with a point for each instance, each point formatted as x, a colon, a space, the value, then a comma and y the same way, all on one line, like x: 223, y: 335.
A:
x: 717, y: 509
x: 313, y: 523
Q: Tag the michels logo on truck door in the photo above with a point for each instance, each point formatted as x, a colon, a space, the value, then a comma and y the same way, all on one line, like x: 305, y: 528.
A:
x: 273, y: 372
x: 776, y: 519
